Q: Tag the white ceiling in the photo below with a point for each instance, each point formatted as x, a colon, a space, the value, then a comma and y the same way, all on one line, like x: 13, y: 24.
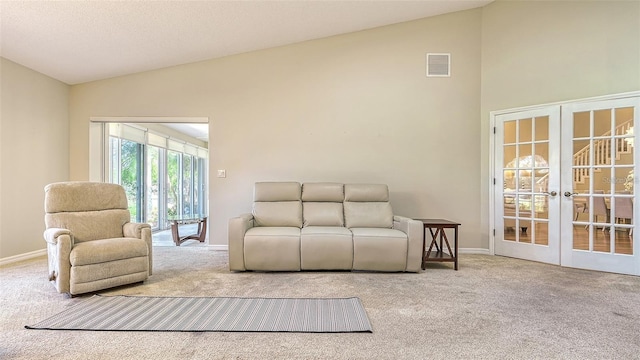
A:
x: 81, y: 41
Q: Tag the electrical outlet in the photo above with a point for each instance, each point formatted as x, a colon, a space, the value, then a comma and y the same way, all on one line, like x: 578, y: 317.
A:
x: 222, y: 173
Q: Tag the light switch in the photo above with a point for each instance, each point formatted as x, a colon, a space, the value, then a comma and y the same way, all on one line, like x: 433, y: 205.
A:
x: 222, y: 173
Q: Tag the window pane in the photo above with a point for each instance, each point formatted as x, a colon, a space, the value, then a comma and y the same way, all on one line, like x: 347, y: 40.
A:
x: 114, y: 151
x: 602, y: 122
x: 187, y: 178
x: 173, y: 173
x: 153, y: 186
x: 525, y: 130
x: 542, y: 128
x: 130, y: 177
x: 196, y: 186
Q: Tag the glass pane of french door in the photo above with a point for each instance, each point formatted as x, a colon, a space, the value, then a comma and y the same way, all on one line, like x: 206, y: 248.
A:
x: 599, y: 186
x: 527, y: 205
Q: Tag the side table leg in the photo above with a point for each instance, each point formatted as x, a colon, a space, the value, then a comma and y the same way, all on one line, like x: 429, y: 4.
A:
x: 455, y: 262
x: 424, y: 248
x: 202, y: 230
x: 434, y: 239
x: 174, y: 233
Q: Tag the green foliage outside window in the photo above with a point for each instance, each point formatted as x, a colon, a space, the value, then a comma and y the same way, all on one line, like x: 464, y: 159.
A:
x: 129, y: 165
x: 157, y: 179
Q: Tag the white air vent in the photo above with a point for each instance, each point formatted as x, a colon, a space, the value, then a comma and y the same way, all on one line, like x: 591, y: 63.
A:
x: 438, y: 65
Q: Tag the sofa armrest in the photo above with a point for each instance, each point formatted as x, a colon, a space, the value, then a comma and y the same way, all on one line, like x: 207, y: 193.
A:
x: 415, y: 235
x: 238, y: 226
x: 51, y: 235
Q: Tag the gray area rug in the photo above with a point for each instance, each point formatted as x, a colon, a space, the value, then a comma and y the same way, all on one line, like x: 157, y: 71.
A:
x: 199, y: 314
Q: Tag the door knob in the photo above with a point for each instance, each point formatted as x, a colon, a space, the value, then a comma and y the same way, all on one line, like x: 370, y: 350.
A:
x: 552, y: 193
x: 569, y: 193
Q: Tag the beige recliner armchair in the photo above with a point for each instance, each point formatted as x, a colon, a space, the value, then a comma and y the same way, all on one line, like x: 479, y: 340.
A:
x: 91, y: 243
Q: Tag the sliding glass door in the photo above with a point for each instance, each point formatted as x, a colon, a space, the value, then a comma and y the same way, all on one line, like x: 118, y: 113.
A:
x: 154, y: 187
x: 163, y: 178
x: 127, y: 166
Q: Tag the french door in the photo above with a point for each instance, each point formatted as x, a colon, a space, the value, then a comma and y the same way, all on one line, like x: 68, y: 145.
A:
x: 527, y: 175
x: 598, y: 186
x: 565, y: 186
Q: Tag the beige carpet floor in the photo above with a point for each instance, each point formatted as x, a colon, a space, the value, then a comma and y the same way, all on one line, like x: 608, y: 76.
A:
x: 492, y: 308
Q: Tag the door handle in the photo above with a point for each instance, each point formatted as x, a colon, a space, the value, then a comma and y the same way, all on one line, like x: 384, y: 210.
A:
x: 569, y: 193
x: 552, y: 193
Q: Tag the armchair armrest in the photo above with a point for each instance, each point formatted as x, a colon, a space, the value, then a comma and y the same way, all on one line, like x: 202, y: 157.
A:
x: 141, y: 231
x: 134, y: 229
x: 59, y: 245
x: 51, y: 235
x: 238, y: 226
x: 415, y: 235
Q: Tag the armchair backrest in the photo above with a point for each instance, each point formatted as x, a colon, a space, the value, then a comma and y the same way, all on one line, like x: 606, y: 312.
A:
x: 277, y: 204
x: 367, y: 205
x: 90, y: 210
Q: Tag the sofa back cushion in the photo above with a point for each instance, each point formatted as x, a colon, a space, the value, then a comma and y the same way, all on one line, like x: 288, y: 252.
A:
x: 367, y: 205
x: 322, y: 204
x: 323, y: 192
x: 323, y: 214
x: 277, y: 204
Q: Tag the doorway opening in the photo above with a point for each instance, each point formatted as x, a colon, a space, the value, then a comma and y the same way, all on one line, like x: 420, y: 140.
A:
x: 163, y: 168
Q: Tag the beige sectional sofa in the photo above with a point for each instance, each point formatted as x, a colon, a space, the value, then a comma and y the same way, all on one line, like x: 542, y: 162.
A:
x: 323, y: 226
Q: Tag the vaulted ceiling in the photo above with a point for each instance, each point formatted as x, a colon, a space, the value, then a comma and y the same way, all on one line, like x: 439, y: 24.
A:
x: 82, y: 41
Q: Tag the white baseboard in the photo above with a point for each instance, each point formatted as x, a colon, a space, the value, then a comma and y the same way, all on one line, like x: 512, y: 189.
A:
x: 219, y: 247
x: 21, y: 257
x: 479, y: 251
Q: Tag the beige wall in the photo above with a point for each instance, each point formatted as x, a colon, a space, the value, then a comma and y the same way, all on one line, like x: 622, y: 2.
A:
x: 34, y: 151
x: 537, y: 52
x: 351, y: 108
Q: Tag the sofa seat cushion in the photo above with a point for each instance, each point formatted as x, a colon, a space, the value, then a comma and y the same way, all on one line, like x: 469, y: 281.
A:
x: 272, y: 248
x: 378, y: 249
x: 326, y: 248
x: 107, y: 250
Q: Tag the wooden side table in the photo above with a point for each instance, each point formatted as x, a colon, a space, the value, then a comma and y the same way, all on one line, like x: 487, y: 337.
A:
x: 437, y: 228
